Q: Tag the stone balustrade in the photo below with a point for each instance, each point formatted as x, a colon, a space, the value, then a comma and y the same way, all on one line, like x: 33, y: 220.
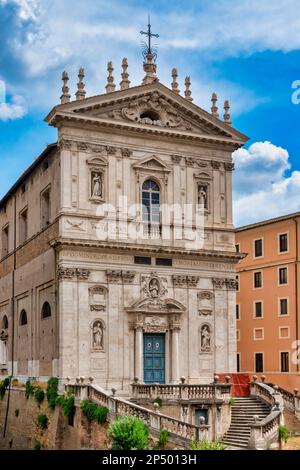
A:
x: 180, y: 431
x: 181, y: 391
x: 264, y: 433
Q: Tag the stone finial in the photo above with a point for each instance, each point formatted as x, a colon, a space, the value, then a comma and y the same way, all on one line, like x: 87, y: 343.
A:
x: 150, y: 69
x: 187, y: 91
x: 214, y: 107
x: 110, y: 87
x: 263, y: 378
x: 125, y: 82
x: 80, y: 94
x: 255, y: 378
x: 174, y: 81
x: 216, y: 378
x: 182, y: 379
x: 227, y: 379
x: 113, y: 391
x: 156, y: 407
x: 65, y: 97
x: 227, y: 114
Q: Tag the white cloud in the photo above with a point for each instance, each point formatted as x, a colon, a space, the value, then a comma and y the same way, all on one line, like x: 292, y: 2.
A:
x: 13, y: 110
x: 64, y: 34
x: 27, y: 10
x: 263, y: 186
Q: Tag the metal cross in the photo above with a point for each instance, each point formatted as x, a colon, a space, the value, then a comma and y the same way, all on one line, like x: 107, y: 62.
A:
x: 150, y: 35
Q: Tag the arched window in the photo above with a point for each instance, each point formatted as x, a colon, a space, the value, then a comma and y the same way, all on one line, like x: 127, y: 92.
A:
x: 23, y: 318
x: 5, y: 323
x: 151, y: 202
x: 46, y: 310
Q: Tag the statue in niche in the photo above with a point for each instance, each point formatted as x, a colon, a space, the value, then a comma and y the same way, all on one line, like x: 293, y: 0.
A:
x: 202, y: 196
x: 154, y: 288
x: 97, y: 335
x: 96, y: 184
x: 205, y: 338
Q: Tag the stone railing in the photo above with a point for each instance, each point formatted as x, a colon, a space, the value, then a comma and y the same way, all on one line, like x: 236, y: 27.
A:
x: 180, y: 431
x: 264, y: 433
x: 291, y: 400
x: 181, y: 391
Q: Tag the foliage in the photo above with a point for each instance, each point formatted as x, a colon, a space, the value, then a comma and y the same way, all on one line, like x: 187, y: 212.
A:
x: 42, y: 421
x: 129, y: 433
x: 37, y: 445
x: 204, y: 444
x: 3, y: 386
x: 283, y: 433
x: 29, y: 389
x: 94, y: 412
x: 39, y: 396
x: 52, y: 391
x: 17, y: 412
x: 163, y: 438
x: 67, y: 404
x: 158, y: 400
x: 231, y: 401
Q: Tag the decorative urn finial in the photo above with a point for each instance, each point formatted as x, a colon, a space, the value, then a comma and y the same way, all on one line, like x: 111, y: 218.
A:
x: 214, y: 107
x: 174, y: 81
x: 65, y: 97
x: 110, y: 87
x: 80, y: 94
x: 125, y: 82
x: 187, y: 92
x: 227, y: 114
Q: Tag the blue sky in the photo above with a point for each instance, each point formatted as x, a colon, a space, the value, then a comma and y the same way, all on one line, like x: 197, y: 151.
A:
x: 248, y: 51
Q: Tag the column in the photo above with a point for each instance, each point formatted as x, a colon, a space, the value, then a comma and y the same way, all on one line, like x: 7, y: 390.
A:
x: 139, y: 354
x: 175, y: 355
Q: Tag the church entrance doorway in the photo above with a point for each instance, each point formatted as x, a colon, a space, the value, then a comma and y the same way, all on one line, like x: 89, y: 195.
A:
x: 154, y: 358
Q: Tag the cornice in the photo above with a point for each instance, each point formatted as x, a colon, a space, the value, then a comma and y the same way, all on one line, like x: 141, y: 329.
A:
x: 226, y: 256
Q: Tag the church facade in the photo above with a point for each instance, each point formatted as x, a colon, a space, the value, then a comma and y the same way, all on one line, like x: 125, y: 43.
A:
x: 117, y: 244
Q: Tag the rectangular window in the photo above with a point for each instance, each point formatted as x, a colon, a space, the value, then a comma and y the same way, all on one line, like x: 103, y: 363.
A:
x: 258, y: 248
x: 5, y: 241
x: 237, y: 283
x: 283, y: 243
x: 257, y: 279
x: 259, y: 362
x: 238, y: 335
x: 258, y: 311
x: 258, y: 333
x: 142, y: 260
x: 237, y: 311
x: 283, y: 303
x: 23, y: 223
x: 282, y: 276
x: 238, y: 362
x: 45, y: 208
x: 237, y: 247
x: 284, y: 362
x: 163, y: 262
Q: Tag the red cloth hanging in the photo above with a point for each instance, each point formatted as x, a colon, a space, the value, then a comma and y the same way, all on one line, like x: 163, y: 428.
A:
x: 240, y: 384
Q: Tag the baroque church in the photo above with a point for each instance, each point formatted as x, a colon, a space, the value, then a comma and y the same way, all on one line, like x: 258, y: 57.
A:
x: 117, y: 243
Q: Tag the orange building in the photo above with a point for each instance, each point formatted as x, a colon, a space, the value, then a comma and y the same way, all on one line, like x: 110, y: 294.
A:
x: 268, y: 293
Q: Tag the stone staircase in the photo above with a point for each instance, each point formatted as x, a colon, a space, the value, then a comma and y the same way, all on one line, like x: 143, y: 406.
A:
x: 242, y: 412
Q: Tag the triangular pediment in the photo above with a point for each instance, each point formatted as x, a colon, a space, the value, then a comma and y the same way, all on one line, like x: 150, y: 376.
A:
x: 152, y: 108
x: 152, y: 163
